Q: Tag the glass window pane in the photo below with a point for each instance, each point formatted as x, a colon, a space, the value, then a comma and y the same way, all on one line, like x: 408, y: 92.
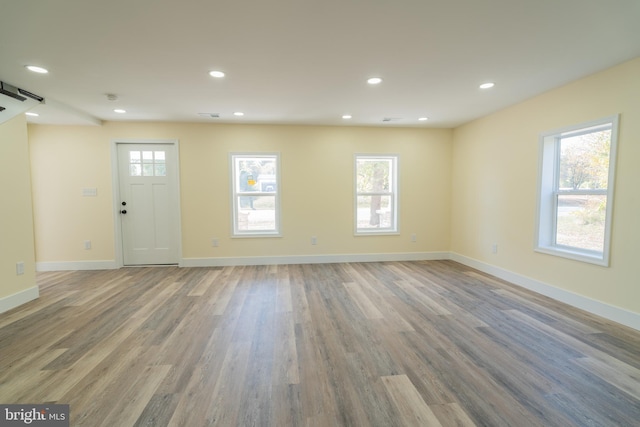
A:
x: 147, y: 170
x: 374, y: 212
x: 147, y: 157
x: 160, y: 170
x: 584, y: 161
x: 159, y: 156
x: 135, y: 170
x: 374, y: 175
x: 256, y: 174
x: 266, y: 183
x: 253, y: 175
x: 134, y: 157
x: 256, y: 213
x: 581, y: 221
x: 246, y: 181
x: 574, y: 190
x: 376, y: 193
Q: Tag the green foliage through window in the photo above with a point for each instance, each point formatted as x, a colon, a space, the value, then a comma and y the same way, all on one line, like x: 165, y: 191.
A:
x: 376, y: 194
x: 575, y: 191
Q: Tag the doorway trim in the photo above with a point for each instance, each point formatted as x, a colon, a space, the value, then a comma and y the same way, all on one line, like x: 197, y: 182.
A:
x: 115, y: 185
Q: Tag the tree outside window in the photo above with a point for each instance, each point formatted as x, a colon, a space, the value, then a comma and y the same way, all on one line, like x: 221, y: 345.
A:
x: 376, y: 194
x: 583, y: 182
x: 255, y: 194
x: 575, y: 191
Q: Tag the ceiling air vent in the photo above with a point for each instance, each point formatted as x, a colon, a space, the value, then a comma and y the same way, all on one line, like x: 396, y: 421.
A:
x: 210, y: 115
x: 391, y: 119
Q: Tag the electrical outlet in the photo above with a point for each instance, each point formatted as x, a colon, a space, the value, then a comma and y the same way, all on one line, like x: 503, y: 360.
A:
x: 414, y: 237
x: 215, y: 242
x: 314, y: 240
x: 19, y: 268
x: 87, y: 244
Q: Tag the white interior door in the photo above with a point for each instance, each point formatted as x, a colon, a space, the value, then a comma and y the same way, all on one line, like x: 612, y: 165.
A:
x: 149, y: 203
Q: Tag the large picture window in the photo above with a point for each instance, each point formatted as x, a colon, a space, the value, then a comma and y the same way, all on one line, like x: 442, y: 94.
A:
x: 575, y: 191
x: 376, y: 194
x: 255, y: 195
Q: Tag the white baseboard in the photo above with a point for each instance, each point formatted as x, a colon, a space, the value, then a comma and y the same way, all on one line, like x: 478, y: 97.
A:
x: 76, y: 265
x: 616, y: 314
x: 312, y: 259
x: 19, y: 298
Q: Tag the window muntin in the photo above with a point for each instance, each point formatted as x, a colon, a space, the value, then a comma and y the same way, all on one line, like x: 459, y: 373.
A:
x: 576, y: 191
x: 376, y: 194
x: 255, y: 195
x: 147, y: 163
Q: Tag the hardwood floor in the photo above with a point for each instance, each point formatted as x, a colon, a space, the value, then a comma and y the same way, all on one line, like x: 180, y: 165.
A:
x: 374, y: 344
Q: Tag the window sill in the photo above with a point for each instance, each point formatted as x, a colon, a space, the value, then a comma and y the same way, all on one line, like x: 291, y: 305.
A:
x: 576, y: 255
x: 256, y: 235
x: 377, y: 233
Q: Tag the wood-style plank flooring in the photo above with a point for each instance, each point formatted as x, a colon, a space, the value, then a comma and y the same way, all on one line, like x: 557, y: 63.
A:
x: 364, y: 344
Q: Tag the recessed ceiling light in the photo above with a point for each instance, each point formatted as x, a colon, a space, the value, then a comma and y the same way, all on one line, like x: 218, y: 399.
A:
x: 238, y: 113
x: 422, y: 119
x: 29, y: 113
x: 346, y: 116
x: 119, y: 111
x: 374, y: 80
x: 487, y: 85
x: 216, y: 73
x: 36, y: 69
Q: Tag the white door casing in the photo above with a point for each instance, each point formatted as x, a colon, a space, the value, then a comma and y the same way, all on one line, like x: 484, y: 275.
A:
x: 147, y: 202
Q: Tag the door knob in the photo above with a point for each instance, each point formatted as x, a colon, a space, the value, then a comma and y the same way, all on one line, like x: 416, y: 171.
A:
x: 124, y: 211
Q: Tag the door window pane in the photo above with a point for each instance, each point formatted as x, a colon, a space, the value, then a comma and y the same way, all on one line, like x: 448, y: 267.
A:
x: 134, y: 157
x: 147, y: 163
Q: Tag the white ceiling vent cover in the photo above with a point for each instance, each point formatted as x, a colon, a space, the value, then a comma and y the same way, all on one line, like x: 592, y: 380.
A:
x: 14, y: 101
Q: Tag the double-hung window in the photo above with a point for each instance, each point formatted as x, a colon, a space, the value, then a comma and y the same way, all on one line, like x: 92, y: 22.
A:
x: 575, y: 191
x: 376, y: 194
x: 255, y: 194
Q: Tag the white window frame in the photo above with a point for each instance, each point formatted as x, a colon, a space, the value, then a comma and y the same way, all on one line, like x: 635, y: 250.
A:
x: 235, y: 232
x: 393, y: 192
x: 548, y: 192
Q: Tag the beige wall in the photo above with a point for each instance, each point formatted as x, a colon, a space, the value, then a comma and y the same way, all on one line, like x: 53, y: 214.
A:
x: 495, y: 161
x: 64, y: 161
x: 16, y: 220
x: 317, y: 188
x: 461, y: 191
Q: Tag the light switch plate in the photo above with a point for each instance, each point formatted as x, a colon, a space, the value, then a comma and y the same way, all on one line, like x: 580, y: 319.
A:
x: 89, y: 192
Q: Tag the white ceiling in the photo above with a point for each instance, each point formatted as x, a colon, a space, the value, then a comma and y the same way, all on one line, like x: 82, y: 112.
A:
x: 305, y: 61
